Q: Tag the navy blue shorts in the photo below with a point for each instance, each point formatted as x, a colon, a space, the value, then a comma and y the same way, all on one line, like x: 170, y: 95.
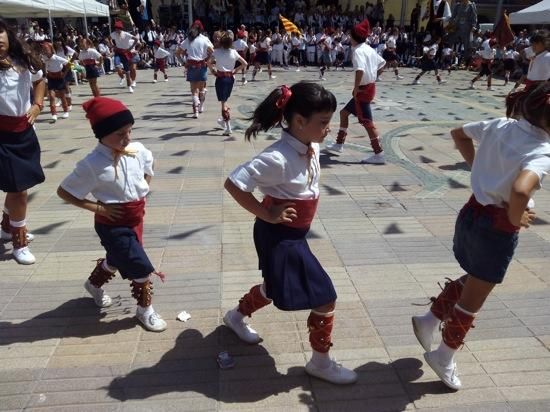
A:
x: 124, y: 251
x: 224, y: 86
x: 263, y: 57
x: 197, y: 74
x: 92, y: 72
x: 482, y: 250
x: 427, y: 65
x: 486, y: 69
x: 364, y: 107
x: 56, y: 84
x: 294, y: 278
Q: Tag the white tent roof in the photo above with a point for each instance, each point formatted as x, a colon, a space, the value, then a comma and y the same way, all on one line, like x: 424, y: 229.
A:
x: 536, y: 14
x: 57, y: 8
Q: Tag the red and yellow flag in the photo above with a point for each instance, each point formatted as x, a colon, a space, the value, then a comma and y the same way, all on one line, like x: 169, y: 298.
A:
x: 503, y: 32
x: 289, y: 26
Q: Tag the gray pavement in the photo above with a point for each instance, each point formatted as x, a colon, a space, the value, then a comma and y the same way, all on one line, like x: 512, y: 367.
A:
x: 384, y: 233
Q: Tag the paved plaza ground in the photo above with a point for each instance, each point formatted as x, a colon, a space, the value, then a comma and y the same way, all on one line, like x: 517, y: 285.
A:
x: 384, y: 234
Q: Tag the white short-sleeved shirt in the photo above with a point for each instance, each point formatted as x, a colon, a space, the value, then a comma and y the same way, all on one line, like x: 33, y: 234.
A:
x: 506, y: 147
x: 366, y: 59
x: 161, y: 53
x: 55, y: 63
x: 240, y: 45
x: 225, y: 59
x: 123, y: 40
x: 61, y: 52
x: 446, y: 51
x: 510, y: 55
x: 15, y: 91
x: 265, y: 44
x: 282, y: 171
x: 539, y: 69
x: 95, y: 174
x: 390, y: 42
x: 198, y: 48
x: 487, y: 52
x: 89, y: 54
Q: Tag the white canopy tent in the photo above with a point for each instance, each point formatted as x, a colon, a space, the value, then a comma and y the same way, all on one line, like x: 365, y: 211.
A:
x: 536, y: 14
x: 53, y: 8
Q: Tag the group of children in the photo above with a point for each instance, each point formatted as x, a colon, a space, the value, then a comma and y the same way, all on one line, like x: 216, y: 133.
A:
x: 287, y: 173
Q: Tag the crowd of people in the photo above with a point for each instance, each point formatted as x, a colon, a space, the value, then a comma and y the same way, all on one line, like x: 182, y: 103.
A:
x: 118, y: 171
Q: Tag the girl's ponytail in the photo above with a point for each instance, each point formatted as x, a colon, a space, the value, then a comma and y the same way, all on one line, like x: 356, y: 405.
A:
x: 268, y: 114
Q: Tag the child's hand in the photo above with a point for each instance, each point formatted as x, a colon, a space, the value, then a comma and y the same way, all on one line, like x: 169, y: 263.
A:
x: 527, y: 218
x: 112, y: 211
x: 282, y: 213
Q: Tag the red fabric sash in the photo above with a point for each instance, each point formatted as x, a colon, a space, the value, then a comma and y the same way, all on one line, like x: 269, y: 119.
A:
x: 124, y: 52
x: 499, y: 215
x: 224, y: 74
x: 305, y: 209
x: 366, y: 92
x: 89, y: 62
x: 196, y: 63
x: 56, y: 75
x: 13, y: 124
x: 133, y: 213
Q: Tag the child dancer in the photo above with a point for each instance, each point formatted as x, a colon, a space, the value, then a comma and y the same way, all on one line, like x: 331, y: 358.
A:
x: 90, y: 57
x: 117, y: 173
x: 287, y: 173
x: 263, y: 54
x: 487, y: 57
x: 225, y: 57
x: 20, y: 169
x: 509, y: 57
x: 428, y: 63
x: 539, y: 67
x: 241, y: 47
x: 56, y: 69
x: 486, y: 233
x: 367, y: 65
x: 390, y: 54
x: 124, y: 42
x: 160, y: 60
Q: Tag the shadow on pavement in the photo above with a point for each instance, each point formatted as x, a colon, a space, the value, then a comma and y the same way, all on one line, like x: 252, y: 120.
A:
x: 78, y: 318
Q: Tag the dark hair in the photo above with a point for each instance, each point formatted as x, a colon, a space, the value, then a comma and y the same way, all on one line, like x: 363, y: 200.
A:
x: 307, y: 99
x: 541, y: 36
x: 20, y: 52
x: 531, y: 104
x: 193, y: 33
x: 226, y: 41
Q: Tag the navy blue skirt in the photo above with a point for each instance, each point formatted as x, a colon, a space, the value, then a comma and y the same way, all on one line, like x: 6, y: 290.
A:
x: 124, y: 251
x: 294, y: 278
x: 224, y: 87
x: 19, y: 161
x: 56, y: 84
x: 92, y: 72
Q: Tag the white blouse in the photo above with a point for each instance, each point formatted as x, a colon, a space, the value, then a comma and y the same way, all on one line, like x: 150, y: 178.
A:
x: 95, y: 174
x: 198, y: 48
x: 15, y: 91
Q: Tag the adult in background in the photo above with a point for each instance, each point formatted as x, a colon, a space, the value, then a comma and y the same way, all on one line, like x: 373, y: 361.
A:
x: 461, y: 24
x: 19, y: 148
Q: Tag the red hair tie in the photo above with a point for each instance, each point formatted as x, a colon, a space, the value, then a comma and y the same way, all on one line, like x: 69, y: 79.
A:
x: 286, y: 94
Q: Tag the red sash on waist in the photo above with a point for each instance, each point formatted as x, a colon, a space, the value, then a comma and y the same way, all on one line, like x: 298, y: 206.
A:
x: 132, y: 216
x: 124, y: 52
x: 305, y: 209
x: 499, y: 215
x: 89, y: 62
x: 56, y: 75
x: 224, y: 74
x: 366, y: 93
x: 196, y: 63
x: 14, y: 124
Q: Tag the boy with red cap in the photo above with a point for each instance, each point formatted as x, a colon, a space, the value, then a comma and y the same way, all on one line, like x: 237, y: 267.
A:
x: 124, y: 42
x: 117, y: 173
x: 160, y: 55
x: 367, y: 65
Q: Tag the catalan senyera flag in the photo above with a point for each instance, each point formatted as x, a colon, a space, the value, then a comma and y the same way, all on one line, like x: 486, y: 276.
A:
x: 289, y: 26
x: 503, y: 32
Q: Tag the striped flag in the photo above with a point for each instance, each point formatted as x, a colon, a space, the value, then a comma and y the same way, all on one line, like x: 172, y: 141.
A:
x: 289, y: 26
x: 503, y: 32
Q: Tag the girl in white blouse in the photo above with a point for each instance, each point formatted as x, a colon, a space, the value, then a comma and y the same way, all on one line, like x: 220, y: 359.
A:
x: 287, y: 174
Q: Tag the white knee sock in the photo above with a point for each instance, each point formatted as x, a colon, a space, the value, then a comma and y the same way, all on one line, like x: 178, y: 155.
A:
x: 321, y: 360
x: 430, y: 320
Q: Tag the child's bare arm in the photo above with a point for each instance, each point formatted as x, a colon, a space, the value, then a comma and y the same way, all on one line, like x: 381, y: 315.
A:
x: 110, y: 211
x: 464, y: 144
x: 522, y: 188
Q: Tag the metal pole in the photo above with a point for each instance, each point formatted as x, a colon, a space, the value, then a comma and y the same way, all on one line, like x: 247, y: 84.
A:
x: 190, y: 12
x: 50, y: 19
x: 85, y: 19
x: 403, y: 11
x: 499, y: 11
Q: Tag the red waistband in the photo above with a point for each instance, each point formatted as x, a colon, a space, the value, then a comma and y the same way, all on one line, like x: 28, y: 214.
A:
x: 56, y: 75
x: 14, y: 124
x: 305, y: 209
x: 125, y: 52
x: 499, y: 215
x: 89, y: 62
x: 196, y: 63
x: 133, y: 213
x: 366, y: 92
x: 224, y: 74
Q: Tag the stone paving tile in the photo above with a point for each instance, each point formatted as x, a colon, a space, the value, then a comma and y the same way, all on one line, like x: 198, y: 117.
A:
x: 383, y: 233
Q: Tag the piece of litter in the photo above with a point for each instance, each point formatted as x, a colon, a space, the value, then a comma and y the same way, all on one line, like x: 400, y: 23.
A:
x: 184, y: 316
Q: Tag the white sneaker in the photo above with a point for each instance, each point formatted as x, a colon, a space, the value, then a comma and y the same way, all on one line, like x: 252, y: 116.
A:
x: 154, y: 80
x: 298, y: 69
x: 442, y: 82
x: 195, y: 115
x: 245, y: 82
x: 335, y: 147
x: 24, y: 256
x: 70, y: 107
x: 490, y: 89
x: 130, y: 89
x: 423, y: 333
x: 121, y: 82
x: 54, y: 117
x: 472, y: 87
x: 415, y: 82
x: 152, y: 322
x: 322, y: 78
x: 57, y: 104
x: 134, y: 84
x: 98, y: 294
x: 201, y: 107
x: 398, y: 77
x: 166, y: 79
x: 227, y: 132
x: 376, y: 159
x: 65, y: 115
x: 7, y: 236
x: 221, y: 122
x: 241, y: 329
x: 447, y: 373
x: 335, y: 373
x: 272, y: 77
